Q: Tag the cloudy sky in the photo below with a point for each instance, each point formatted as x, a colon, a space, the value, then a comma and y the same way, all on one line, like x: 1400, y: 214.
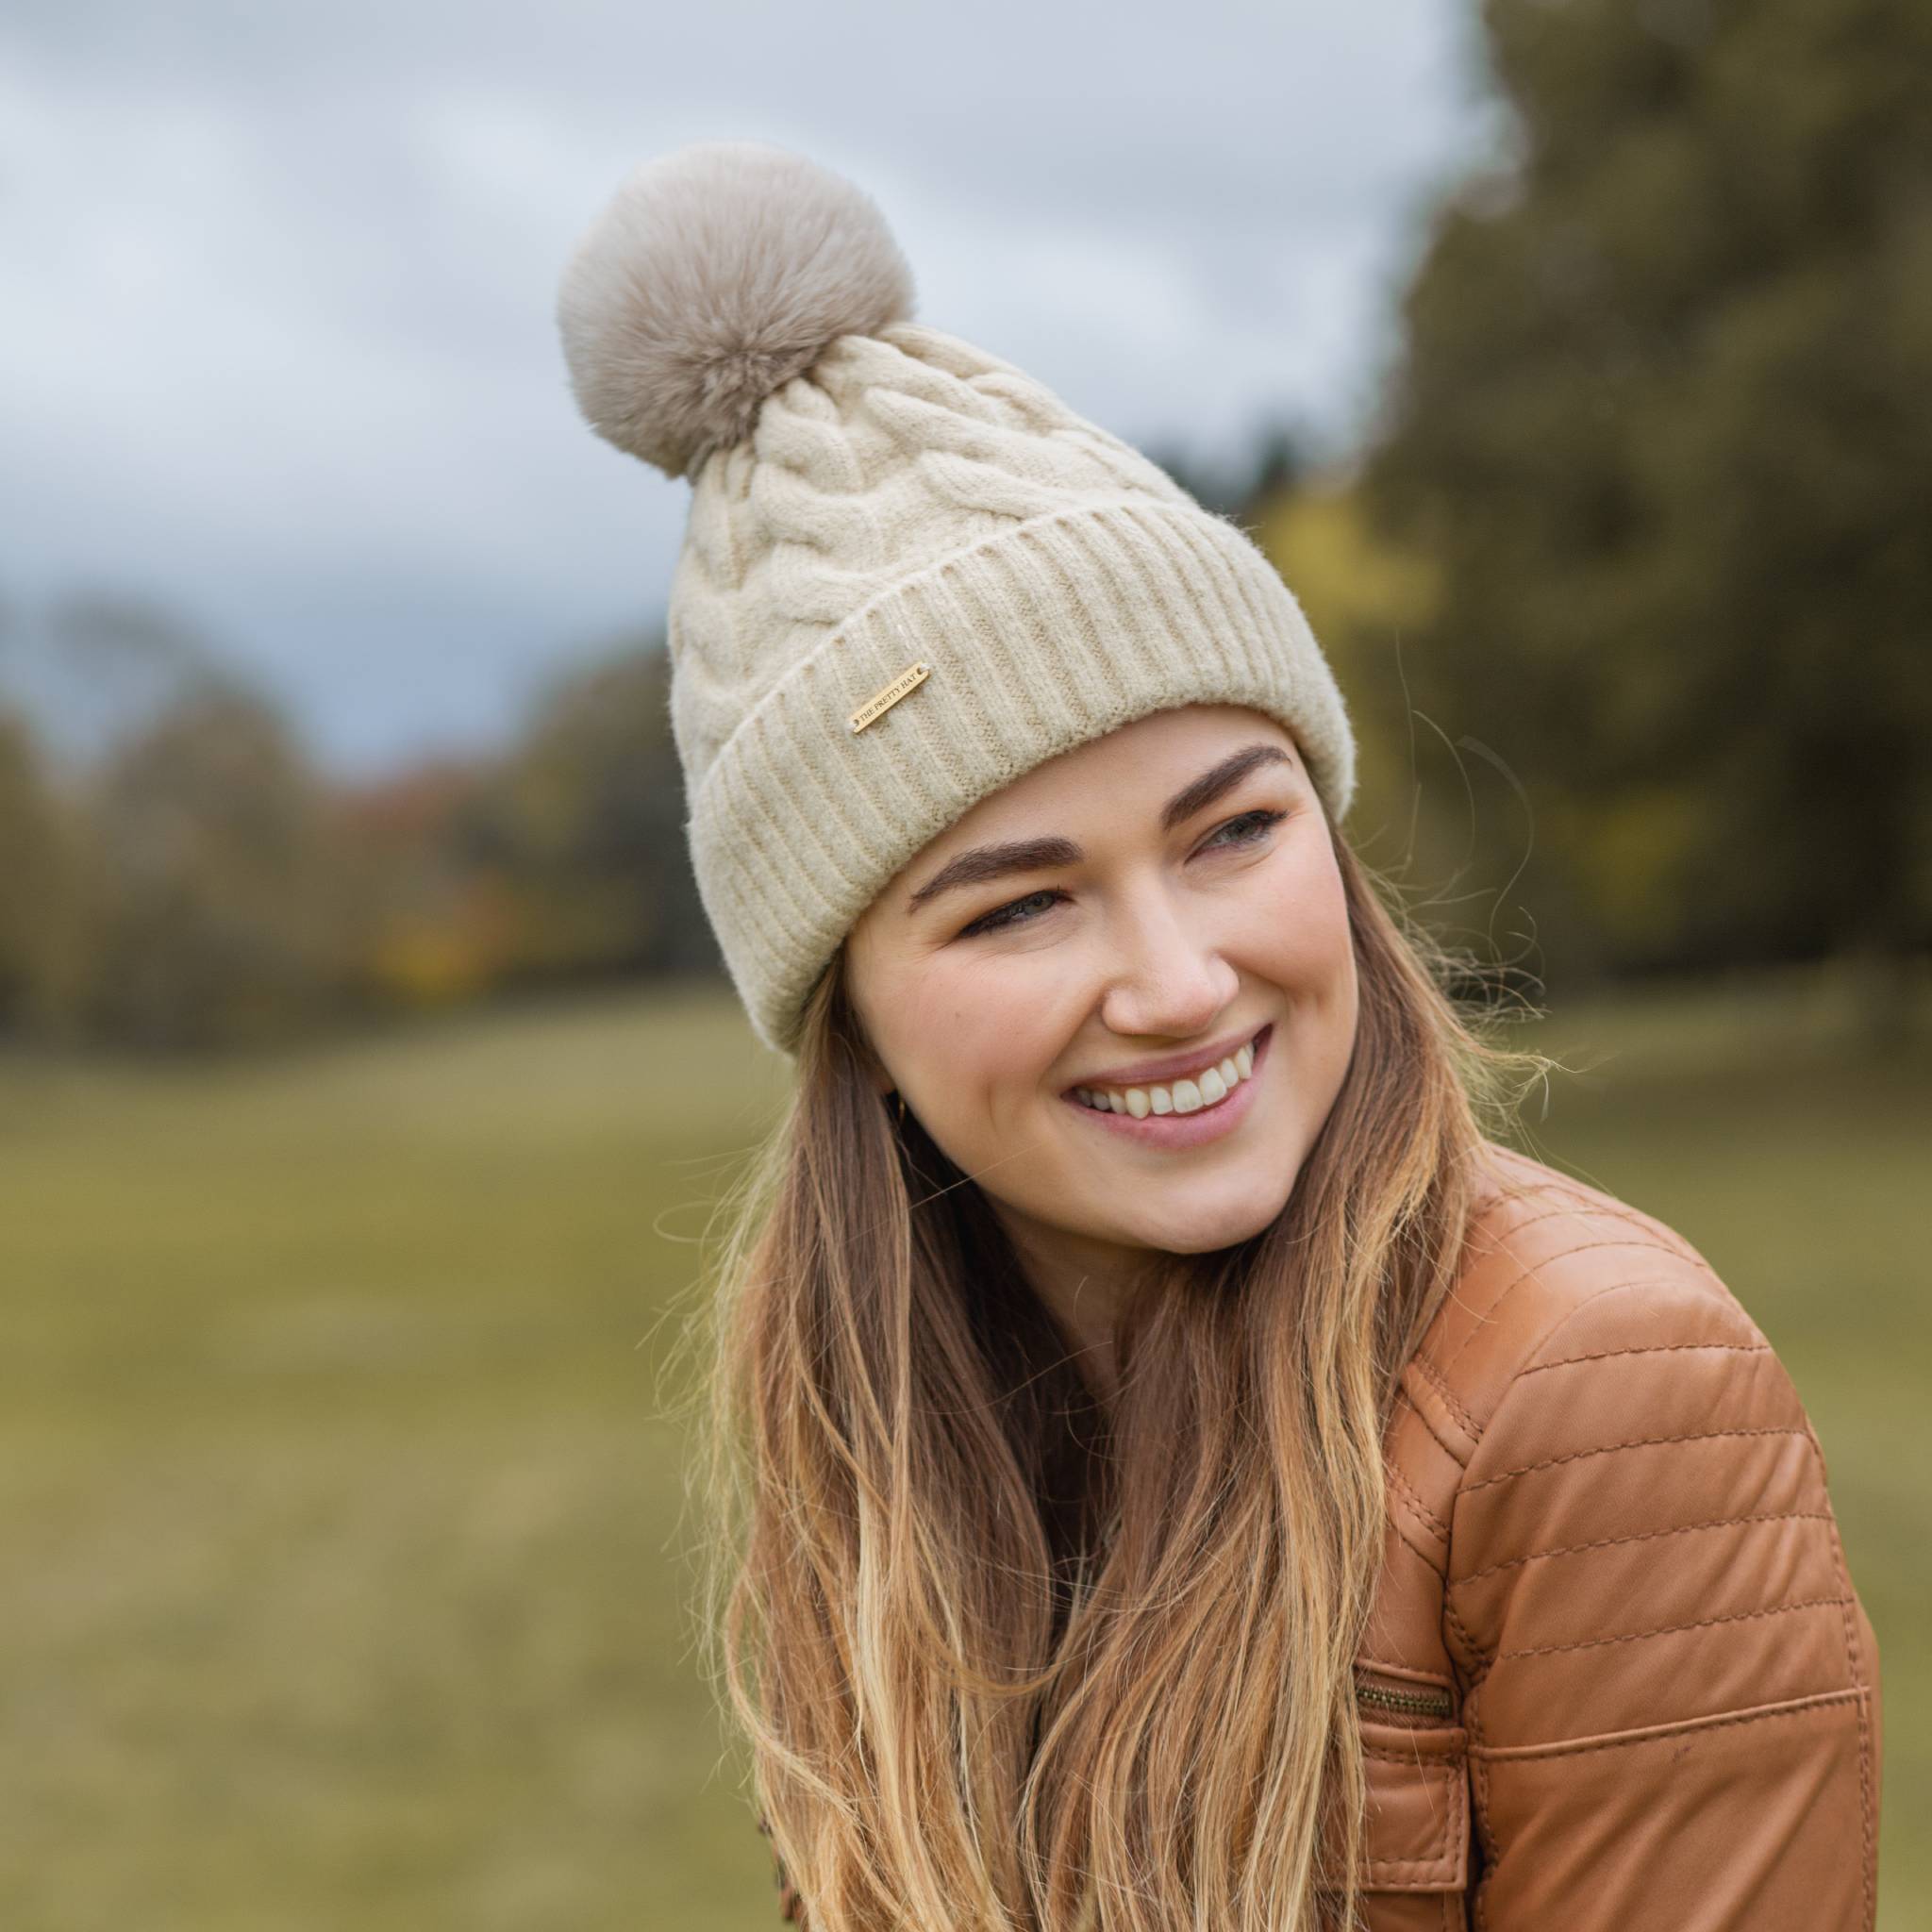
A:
x: 276, y: 346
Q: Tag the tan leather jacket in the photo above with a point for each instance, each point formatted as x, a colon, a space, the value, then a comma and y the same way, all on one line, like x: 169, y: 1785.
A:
x: 1617, y: 1672
x: 1616, y: 1679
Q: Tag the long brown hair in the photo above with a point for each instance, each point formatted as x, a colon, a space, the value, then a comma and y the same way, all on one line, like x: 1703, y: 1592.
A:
x: 1013, y: 1660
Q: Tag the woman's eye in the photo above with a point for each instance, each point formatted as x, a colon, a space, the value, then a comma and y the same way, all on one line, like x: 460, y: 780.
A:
x: 1012, y: 914
x: 1245, y: 829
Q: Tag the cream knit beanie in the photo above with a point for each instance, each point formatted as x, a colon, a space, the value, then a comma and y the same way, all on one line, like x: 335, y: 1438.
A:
x: 910, y: 574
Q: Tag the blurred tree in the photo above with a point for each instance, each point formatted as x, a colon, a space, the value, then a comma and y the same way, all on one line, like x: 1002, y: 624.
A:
x: 1367, y: 599
x: 38, y: 936
x: 215, y: 891
x: 1284, y: 455
x: 587, y: 822
x: 430, y: 916
x: 1273, y: 459
x: 1363, y: 596
x: 1660, y: 426
x: 110, y: 662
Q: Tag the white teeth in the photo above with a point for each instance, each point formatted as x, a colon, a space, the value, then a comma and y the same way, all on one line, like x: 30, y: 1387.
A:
x: 1178, y: 1096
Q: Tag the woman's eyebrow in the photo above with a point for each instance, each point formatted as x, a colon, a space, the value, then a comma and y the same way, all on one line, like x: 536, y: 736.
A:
x: 985, y: 862
x: 1217, y: 781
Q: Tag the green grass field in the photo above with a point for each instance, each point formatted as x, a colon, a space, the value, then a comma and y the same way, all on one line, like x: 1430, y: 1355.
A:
x: 343, y: 1522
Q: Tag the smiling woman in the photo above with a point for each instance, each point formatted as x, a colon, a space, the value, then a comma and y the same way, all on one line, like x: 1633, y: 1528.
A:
x: 1173, y: 1466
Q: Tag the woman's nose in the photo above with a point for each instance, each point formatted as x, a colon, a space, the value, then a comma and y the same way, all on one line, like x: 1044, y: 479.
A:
x: 1167, y: 976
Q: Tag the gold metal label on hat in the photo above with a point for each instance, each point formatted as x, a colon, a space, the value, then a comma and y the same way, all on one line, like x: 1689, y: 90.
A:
x: 882, y: 701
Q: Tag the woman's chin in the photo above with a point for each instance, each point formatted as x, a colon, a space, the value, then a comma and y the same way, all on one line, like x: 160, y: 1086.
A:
x: 1199, y: 1228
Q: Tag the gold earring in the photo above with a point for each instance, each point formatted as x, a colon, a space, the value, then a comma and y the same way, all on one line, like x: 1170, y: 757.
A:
x: 902, y: 1110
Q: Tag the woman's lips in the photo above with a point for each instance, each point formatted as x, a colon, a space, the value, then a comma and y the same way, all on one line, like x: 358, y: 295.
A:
x: 1179, y: 1130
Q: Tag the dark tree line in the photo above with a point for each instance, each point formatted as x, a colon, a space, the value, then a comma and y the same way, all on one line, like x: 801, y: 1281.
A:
x: 1660, y: 431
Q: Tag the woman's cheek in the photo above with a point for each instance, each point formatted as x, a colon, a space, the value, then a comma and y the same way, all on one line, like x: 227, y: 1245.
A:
x: 985, y: 1027
x: 1303, y: 919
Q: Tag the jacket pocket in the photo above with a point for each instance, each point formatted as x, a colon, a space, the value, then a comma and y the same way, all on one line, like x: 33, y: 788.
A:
x: 1415, y: 1764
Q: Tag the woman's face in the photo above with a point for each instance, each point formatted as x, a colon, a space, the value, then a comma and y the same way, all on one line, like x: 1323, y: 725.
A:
x: 1168, y: 894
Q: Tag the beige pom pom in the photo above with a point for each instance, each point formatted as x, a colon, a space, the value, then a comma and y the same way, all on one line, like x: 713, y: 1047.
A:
x: 715, y: 274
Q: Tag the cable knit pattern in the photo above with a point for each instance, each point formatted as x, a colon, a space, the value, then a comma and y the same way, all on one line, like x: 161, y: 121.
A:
x: 910, y: 499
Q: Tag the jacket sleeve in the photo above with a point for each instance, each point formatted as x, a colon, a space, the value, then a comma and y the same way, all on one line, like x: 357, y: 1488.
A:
x: 1673, y: 1687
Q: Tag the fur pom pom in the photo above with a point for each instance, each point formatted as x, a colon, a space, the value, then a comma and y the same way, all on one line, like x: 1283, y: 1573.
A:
x: 715, y: 274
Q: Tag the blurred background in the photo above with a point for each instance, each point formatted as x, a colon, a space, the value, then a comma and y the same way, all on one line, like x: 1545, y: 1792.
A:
x: 367, y: 1079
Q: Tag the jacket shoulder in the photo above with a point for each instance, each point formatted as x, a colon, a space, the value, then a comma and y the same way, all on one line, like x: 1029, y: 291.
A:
x: 1574, y: 1322
x: 1554, y: 1267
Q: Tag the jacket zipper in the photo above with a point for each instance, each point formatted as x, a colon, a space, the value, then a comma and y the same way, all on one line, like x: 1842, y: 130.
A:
x: 1409, y: 1700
